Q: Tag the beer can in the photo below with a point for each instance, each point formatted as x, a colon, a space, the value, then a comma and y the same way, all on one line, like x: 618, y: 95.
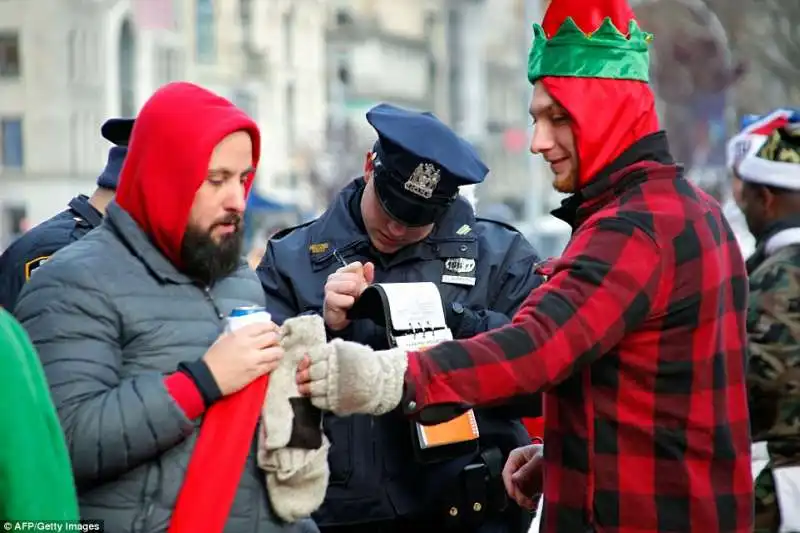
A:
x: 244, y: 316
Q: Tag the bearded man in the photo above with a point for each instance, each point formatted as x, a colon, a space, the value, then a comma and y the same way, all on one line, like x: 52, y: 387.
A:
x: 129, y: 322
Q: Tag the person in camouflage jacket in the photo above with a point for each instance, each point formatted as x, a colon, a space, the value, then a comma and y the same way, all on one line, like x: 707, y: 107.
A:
x: 770, y: 199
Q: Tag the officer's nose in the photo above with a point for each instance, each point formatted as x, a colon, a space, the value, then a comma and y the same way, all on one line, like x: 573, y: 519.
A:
x: 395, y: 229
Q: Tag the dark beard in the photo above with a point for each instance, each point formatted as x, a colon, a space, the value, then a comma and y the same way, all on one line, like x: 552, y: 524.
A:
x: 207, y: 261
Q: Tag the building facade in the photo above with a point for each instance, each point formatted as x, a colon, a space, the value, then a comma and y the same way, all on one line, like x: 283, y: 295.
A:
x: 464, y: 60
x: 378, y: 51
x: 51, y: 103
x: 68, y: 65
x: 491, y: 94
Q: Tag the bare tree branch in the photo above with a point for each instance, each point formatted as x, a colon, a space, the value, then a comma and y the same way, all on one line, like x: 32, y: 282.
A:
x: 774, y: 38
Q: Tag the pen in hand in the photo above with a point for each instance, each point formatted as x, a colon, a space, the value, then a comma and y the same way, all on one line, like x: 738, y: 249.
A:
x: 367, y: 269
x: 339, y: 257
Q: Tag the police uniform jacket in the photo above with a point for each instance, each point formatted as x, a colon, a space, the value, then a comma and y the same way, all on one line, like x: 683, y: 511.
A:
x: 374, y: 475
x: 33, y: 248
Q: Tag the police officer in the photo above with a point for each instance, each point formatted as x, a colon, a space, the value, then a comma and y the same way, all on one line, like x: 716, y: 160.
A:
x: 82, y: 215
x: 404, y: 221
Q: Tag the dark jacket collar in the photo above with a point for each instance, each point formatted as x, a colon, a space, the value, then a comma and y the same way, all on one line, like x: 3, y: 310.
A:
x: 624, y: 172
x: 80, y: 206
x: 760, y: 253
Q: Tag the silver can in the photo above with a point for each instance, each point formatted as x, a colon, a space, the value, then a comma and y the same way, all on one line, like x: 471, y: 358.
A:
x: 244, y: 316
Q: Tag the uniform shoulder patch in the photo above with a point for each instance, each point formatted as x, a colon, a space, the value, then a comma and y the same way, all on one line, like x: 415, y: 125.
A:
x: 33, y: 264
x: 463, y: 230
x: 318, y: 248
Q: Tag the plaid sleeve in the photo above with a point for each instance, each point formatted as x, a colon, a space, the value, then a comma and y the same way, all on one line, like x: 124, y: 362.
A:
x: 602, y: 287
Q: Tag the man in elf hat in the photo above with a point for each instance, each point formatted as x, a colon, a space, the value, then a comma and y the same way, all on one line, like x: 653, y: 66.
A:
x: 637, y: 338
x: 770, y: 199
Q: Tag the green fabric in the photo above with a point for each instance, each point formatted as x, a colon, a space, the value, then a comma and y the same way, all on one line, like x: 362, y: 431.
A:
x: 36, y: 481
x: 606, y: 53
x: 782, y: 146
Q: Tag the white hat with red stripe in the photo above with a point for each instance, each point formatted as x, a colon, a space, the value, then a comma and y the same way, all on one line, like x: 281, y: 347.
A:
x: 744, y: 150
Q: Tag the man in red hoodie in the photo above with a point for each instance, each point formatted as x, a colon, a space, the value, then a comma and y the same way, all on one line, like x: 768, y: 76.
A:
x: 128, y: 323
x: 637, y: 338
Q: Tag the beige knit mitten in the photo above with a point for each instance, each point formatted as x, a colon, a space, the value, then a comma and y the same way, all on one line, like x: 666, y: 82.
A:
x: 350, y: 378
x: 292, y: 448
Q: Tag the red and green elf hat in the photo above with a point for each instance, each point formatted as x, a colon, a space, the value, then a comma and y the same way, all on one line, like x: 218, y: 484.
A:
x: 561, y: 48
x: 593, y: 58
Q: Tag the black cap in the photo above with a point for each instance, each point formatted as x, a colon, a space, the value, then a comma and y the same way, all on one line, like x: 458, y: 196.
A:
x: 117, y: 130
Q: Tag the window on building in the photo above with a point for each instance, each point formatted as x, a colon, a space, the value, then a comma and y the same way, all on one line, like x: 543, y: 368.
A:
x: 290, y: 118
x: 75, y: 159
x: 455, y: 50
x: 343, y: 17
x: 127, y: 69
x: 72, y: 55
x: 246, y: 101
x: 246, y: 15
x: 13, y: 222
x: 205, y: 43
x: 343, y: 73
x: 168, y: 64
x: 10, y: 60
x: 288, y: 36
x: 430, y: 22
x: 12, y: 153
x: 433, y: 72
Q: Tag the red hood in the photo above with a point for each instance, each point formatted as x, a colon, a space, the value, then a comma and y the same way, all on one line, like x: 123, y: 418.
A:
x: 608, y: 116
x: 168, y: 155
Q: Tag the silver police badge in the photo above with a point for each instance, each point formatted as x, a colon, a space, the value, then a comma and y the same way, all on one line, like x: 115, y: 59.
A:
x: 459, y: 271
x: 423, y: 181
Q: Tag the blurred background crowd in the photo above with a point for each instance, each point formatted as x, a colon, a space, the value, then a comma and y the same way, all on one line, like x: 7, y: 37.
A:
x: 307, y: 71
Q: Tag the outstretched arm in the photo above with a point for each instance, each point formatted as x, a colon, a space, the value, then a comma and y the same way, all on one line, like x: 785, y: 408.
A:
x: 602, y: 288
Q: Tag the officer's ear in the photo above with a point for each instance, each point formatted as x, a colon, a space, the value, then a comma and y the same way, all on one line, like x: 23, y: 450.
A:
x: 369, y: 166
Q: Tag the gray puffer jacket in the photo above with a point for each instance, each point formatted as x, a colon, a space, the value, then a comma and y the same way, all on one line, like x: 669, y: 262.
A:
x: 109, y: 316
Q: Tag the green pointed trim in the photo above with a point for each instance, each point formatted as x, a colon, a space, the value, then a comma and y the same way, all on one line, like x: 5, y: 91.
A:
x: 606, y: 53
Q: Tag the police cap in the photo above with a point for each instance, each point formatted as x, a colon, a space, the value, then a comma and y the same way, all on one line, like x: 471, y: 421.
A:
x: 117, y: 131
x: 419, y: 164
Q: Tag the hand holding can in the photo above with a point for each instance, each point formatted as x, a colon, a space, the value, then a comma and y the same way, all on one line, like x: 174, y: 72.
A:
x: 247, y: 350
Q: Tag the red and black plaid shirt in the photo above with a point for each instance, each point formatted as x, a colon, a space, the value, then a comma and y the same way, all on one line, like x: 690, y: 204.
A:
x: 637, y: 340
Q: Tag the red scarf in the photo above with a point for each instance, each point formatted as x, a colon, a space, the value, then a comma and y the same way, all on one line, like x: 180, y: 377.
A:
x: 218, y: 461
